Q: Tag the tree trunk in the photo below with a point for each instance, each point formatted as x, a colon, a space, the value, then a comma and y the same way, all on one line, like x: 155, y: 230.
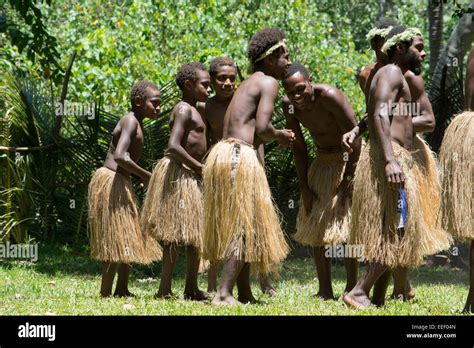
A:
x: 435, y: 19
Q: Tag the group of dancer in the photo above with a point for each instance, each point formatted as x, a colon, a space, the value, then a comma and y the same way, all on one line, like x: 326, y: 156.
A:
x: 210, y: 192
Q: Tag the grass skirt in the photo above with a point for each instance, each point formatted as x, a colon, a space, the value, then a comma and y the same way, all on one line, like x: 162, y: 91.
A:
x: 456, y: 157
x: 374, y: 212
x: 115, y: 234
x: 240, y: 216
x: 172, y: 211
x: 329, y: 220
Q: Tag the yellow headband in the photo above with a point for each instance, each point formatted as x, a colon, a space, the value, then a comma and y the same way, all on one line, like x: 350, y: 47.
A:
x: 407, y: 35
x: 382, y: 32
x: 271, y: 50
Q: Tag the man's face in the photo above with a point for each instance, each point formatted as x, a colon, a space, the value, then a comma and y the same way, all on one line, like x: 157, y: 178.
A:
x: 298, y: 89
x: 282, y: 64
x: 224, y: 81
x: 201, y: 88
x: 151, y: 106
x: 415, y: 54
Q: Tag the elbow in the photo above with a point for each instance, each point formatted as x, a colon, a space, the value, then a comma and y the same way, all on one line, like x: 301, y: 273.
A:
x: 261, y: 132
x: 172, y: 150
x: 431, y: 125
x: 120, y: 159
x: 428, y: 125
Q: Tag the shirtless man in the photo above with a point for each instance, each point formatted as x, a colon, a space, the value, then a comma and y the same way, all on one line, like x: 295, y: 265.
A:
x: 223, y: 73
x: 326, y: 185
x: 385, y: 186
x: 115, y: 235
x: 172, y: 211
x: 242, y: 225
x: 423, y: 121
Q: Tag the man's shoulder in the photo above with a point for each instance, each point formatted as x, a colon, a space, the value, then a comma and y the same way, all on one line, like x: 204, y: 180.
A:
x: 182, y: 108
x: 389, y: 73
x: 326, y: 91
x: 412, y: 78
x: 263, y: 80
x: 129, y: 119
x: 366, y: 70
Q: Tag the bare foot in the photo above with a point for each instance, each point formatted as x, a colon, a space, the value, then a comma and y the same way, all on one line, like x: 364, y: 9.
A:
x: 270, y: 292
x: 211, y: 289
x: 197, y: 295
x: 411, y: 293
x: 123, y: 294
x: 357, y: 299
x: 399, y: 297
x: 164, y: 295
x: 248, y: 299
x: 225, y: 300
x: 378, y: 300
x: 325, y: 296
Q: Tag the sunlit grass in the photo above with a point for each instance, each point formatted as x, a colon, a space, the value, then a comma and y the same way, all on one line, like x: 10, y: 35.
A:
x: 66, y: 282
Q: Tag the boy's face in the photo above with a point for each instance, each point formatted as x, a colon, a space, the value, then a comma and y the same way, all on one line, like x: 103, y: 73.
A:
x: 298, y: 89
x: 281, y: 64
x: 150, y: 105
x: 224, y: 81
x: 201, y: 88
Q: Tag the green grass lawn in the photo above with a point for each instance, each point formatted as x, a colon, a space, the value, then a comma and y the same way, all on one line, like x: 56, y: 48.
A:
x: 66, y: 282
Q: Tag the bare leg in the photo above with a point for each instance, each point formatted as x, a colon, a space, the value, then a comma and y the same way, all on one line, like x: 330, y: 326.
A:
x: 400, y: 275
x: 469, y: 307
x: 352, y: 267
x: 108, y: 275
x: 212, y: 277
x: 380, y: 288
x: 191, y: 289
x: 121, y: 290
x: 232, y: 268
x: 266, y: 285
x: 323, y: 268
x: 243, y: 285
x: 411, y: 293
x: 170, y: 255
x: 358, y: 297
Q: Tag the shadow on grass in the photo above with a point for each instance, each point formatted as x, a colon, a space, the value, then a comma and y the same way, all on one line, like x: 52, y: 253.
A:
x: 59, y: 259
x: 303, y: 270
x: 299, y: 268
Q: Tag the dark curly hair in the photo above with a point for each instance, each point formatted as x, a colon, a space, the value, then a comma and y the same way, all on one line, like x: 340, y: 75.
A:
x: 262, y: 41
x: 220, y: 61
x: 395, y: 31
x: 383, y: 23
x: 139, y: 90
x: 188, y: 72
x: 295, y: 67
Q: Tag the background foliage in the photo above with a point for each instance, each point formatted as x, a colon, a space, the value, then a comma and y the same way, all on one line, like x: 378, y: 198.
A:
x: 43, y: 192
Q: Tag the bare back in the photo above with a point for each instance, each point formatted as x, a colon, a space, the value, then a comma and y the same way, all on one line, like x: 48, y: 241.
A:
x: 255, y: 95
